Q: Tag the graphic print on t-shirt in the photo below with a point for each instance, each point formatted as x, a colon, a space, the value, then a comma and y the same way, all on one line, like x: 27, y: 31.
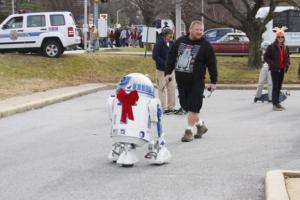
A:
x: 186, y: 57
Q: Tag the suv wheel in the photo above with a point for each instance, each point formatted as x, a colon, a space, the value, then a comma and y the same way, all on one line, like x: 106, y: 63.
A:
x: 52, y: 49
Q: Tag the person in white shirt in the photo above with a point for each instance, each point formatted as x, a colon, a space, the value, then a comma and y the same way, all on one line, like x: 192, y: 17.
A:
x: 265, y: 75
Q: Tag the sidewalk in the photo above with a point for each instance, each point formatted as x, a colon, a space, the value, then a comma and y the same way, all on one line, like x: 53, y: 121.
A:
x: 19, y: 104
x: 282, y: 185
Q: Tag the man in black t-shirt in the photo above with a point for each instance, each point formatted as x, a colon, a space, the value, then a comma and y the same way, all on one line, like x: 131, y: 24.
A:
x: 189, y: 57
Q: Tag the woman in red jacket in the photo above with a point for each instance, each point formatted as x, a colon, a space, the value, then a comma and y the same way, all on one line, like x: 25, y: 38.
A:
x: 278, y: 58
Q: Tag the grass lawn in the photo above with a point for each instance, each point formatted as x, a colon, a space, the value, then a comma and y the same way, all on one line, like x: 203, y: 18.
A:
x: 24, y: 74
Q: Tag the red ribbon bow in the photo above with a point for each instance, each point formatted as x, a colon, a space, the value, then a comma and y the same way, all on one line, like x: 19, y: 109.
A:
x: 127, y: 101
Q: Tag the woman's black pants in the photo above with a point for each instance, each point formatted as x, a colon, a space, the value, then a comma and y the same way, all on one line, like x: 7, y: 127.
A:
x: 277, y: 78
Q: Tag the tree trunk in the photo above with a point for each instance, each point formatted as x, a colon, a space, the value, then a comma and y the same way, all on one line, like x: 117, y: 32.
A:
x: 254, y: 56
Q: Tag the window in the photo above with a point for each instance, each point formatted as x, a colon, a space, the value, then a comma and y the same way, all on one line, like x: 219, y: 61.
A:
x: 16, y: 22
x: 281, y: 19
x: 211, y: 34
x: 57, y: 20
x: 290, y: 19
x: 223, y: 32
x: 244, y: 39
x: 227, y: 38
x: 36, y: 21
x: 294, y: 21
x: 233, y: 38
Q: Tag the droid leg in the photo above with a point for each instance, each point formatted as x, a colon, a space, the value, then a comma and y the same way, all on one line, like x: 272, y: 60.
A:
x: 115, y: 153
x: 123, y: 154
x: 158, y: 152
x: 127, y: 156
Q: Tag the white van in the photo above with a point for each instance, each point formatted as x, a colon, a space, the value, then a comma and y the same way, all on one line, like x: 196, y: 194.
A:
x: 288, y: 16
x: 48, y: 33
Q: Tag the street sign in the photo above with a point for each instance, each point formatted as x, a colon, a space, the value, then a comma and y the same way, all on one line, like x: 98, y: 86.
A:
x: 102, y: 25
x: 149, y: 35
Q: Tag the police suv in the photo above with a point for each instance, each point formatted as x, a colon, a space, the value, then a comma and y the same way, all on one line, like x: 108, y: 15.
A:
x: 48, y: 33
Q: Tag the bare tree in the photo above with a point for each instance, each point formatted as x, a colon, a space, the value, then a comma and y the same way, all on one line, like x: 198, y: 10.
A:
x: 154, y: 9
x: 74, y: 6
x: 241, y: 14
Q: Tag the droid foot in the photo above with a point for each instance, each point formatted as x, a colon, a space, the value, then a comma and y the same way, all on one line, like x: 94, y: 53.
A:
x: 159, y: 156
x: 128, y: 157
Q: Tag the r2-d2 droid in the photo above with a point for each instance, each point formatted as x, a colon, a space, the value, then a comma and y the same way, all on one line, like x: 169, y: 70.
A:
x: 135, y: 116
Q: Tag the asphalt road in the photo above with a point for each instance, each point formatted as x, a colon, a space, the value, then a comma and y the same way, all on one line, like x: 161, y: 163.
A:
x: 60, y: 152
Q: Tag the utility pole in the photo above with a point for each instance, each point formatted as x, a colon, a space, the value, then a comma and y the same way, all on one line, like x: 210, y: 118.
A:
x: 13, y: 6
x: 202, y: 11
x: 96, y: 12
x: 85, y: 24
x: 178, y: 18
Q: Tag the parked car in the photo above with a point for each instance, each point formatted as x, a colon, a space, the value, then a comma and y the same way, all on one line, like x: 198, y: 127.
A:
x: 215, y: 34
x: 48, y: 33
x: 232, y: 44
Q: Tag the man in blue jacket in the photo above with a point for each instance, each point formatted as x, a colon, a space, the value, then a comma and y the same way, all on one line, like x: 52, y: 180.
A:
x: 166, y: 89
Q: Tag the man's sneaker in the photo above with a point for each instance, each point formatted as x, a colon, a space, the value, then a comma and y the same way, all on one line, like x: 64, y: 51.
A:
x: 256, y: 99
x: 200, y: 131
x: 169, y: 111
x: 180, y: 111
x: 188, y: 136
x: 278, y: 107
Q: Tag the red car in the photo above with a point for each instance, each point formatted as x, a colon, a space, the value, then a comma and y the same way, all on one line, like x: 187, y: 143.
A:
x: 232, y: 44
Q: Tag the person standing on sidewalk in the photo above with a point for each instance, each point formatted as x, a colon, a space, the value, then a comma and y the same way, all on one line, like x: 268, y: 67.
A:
x: 278, y: 58
x: 190, y: 56
x: 93, y: 38
x: 111, y: 36
x: 123, y: 37
x: 134, y: 37
x: 166, y: 89
x: 265, y: 75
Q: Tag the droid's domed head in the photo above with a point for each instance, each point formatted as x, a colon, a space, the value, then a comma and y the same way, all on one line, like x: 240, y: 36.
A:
x: 139, y: 82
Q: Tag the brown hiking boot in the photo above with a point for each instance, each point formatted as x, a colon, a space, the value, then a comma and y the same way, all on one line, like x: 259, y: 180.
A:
x: 200, y: 131
x: 188, y: 136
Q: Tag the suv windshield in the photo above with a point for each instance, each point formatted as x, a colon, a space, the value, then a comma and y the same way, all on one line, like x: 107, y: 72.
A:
x: 16, y: 22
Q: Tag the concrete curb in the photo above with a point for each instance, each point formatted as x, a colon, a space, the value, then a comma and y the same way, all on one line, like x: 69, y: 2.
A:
x: 275, y: 184
x: 15, y: 105
x: 254, y: 86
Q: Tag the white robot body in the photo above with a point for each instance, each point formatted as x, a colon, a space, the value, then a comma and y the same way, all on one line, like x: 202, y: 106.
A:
x: 128, y: 132
x: 137, y: 131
